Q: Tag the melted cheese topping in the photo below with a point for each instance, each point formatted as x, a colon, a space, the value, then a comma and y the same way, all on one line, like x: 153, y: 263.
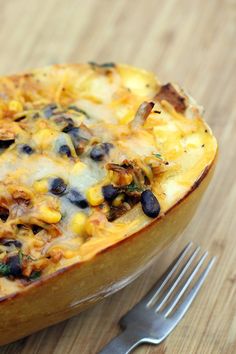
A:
x: 172, y: 150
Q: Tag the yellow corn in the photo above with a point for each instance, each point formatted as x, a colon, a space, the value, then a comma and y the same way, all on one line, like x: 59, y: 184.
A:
x: 41, y: 186
x: 69, y: 254
x: 94, y: 195
x: 15, y: 106
x: 78, y: 223
x: 118, y: 200
x: 38, y: 243
x: 49, y: 215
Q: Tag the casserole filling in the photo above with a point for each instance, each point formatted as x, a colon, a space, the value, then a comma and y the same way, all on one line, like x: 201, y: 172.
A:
x: 89, y: 154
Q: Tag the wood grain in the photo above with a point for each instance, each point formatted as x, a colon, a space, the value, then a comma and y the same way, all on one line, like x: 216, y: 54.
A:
x: 192, y: 43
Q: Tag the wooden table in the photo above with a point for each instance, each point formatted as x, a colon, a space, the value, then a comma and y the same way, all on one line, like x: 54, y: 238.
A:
x: 190, y: 42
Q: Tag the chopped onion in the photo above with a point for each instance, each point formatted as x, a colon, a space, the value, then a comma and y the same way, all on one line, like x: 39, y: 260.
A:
x: 142, y: 113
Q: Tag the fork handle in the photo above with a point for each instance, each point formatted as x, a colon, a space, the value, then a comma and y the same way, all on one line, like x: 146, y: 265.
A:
x: 123, y: 343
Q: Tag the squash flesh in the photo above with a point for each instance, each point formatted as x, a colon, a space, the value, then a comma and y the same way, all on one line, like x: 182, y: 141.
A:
x: 186, y: 143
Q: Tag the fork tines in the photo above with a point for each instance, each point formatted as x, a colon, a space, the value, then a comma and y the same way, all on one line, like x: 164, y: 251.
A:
x: 170, y: 291
x: 159, y: 312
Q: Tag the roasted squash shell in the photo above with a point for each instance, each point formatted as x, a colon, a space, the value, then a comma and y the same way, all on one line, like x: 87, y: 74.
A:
x: 101, y: 167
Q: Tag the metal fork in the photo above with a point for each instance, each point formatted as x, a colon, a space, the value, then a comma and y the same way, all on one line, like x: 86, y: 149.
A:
x: 159, y: 312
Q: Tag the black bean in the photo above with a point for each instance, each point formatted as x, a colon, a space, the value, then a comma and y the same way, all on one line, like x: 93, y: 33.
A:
x: 49, y: 110
x: 26, y: 149
x: 75, y: 197
x: 65, y: 150
x: 76, y: 133
x: 14, y: 264
x: 4, y: 144
x: 16, y: 243
x: 58, y: 186
x: 109, y: 192
x: 99, y: 151
x: 36, y: 229
x: 69, y: 127
x: 108, y: 147
x: 150, y: 204
x: 72, y: 131
x: 4, y: 214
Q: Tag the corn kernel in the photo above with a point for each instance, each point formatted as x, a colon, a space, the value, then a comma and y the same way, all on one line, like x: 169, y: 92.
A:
x: 69, y: 254
x: 38, y: 243
x: 15, y: 106
x: 118, y: 200
x: 41, y: 186
x: 78, y: 223
x: 49, y: 215
x: 94, y: 195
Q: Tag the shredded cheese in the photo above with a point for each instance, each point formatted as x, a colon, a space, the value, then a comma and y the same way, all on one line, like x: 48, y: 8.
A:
x: 60, y: 129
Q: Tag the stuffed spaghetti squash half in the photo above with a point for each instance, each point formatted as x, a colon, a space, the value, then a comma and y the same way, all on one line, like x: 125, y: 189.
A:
x: 89, y: 156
